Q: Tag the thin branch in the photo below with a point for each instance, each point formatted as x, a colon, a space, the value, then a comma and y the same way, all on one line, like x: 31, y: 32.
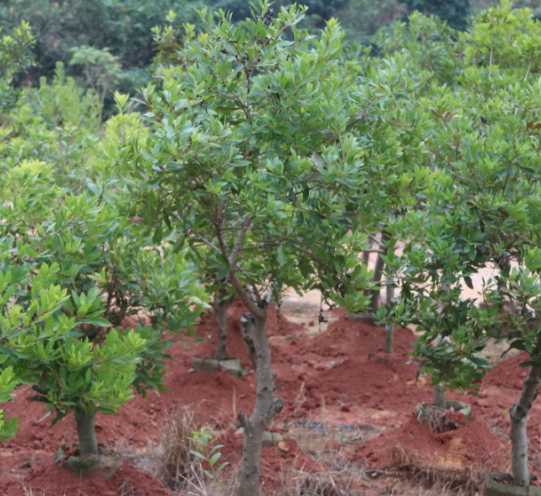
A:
x: 239, y: 288
x: 375, y: 240
x: 240, y: 240
x: 207, y: 242
x: 257, y: 294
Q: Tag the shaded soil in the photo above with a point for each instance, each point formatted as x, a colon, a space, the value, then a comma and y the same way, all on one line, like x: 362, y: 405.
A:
x: 339, y: 380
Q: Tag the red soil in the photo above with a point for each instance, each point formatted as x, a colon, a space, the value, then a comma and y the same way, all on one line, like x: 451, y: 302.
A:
x: 341, y: 375
x: 47, y: 477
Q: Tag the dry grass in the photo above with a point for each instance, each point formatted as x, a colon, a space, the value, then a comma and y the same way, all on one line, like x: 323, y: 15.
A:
x: 408, y: 477
x: 331, y: 483
x: 406, y: 487
x: 173, y: 461
x: 326, y: 446
x: 170, y: 461
x: 436, y: 418
x: 198, y: 485
x: 28, y: 491
x: 343, y: 478
x: 460, y: 482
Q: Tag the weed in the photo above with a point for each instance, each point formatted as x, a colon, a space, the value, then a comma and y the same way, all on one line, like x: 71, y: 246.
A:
x: 204, y: 450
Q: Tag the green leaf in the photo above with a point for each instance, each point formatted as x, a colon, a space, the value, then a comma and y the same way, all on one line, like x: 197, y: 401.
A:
x: 198, y: 455
x: 158, y: 234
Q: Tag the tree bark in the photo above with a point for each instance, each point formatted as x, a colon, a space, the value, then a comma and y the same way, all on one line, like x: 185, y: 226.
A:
x: 378, y: 269
x: 86, y: 434
x: 389, y: 340
x: 266, y: 407
x: 439, y: 396
x: 390, y: 294
x: 438, y: 390
x: 220, y: 306
x: 519, y: 419
x: 247, y: 333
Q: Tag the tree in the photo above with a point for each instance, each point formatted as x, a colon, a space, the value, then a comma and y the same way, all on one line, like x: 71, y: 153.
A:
x: 42, y: 345
x: 252, y: 155
x: 481, y: 209
x: 101, y: 70
x: 72, y: 267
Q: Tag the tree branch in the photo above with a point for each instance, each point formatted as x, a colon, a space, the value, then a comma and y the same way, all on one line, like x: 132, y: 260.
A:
x: 239, y: 288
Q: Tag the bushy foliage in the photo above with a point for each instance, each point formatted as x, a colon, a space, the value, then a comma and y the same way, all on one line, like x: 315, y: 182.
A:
x: 14, y: 59
x: 480, y: 209
x: 72, y: 264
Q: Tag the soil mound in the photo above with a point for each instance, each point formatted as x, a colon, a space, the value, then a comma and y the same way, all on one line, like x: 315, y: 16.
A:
x: 472, y: 444
x: 50, y: 480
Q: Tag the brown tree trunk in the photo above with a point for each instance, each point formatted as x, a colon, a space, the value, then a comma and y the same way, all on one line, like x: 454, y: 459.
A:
x: 519, y: 419
x: 378, y: 269
x: 247, y: 333
x: 389, y: 339
x: 439, y: 396
x: 86, y: 434
x: 390, y: 294
x: 438, y: 390
x: 266, y: 407
x: 220, y: 306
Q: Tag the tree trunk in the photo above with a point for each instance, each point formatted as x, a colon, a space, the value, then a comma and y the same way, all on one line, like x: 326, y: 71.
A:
x: 86, y: 434
x: 247, y: 333
x: 378, y: 269
x: 390, y: 294
x: 220, y: 306
x: 389, y: 339
x: 438, y: 389
x: 266, y: 407
x: 439, y: 396
x: 519, y: 419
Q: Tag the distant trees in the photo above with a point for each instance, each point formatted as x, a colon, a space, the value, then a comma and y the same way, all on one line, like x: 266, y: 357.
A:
x: 319, y: 11
x: 455, y: 12
x: 121, y: 27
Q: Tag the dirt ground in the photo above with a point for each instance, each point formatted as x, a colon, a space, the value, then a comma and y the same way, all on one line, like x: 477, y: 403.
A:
x: 348, y: 413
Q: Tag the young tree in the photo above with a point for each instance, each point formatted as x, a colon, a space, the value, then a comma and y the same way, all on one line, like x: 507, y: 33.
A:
x: 71, y: 267
x: 481, y: 209
x: 40, y: 341
x: 252, y: 155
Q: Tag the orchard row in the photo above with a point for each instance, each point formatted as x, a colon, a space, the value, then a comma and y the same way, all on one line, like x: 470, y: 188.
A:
x: 263, y: 158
